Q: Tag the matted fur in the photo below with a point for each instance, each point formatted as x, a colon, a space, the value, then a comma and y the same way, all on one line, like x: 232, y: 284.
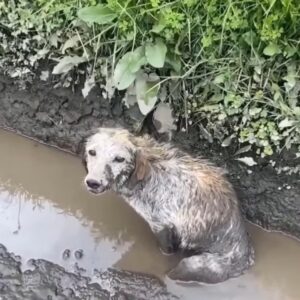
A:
x: 188, y: 202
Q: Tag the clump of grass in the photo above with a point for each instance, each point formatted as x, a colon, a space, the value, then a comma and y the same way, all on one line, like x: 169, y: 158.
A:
x: 229, y: 67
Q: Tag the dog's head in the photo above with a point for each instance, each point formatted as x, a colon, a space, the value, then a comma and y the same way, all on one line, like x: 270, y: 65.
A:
x: 112, y: 161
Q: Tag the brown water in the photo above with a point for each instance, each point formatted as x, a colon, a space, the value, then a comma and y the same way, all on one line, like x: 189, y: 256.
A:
x: 44, y: 209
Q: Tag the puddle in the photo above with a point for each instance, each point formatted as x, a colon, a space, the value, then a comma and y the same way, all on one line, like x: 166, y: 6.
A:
x: 44, y: 209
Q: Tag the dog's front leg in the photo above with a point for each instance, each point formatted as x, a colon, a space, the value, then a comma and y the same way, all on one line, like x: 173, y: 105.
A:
x: 168, y: 238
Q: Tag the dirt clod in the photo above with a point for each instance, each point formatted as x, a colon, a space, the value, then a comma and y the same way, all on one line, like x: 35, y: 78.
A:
x: 78, y: 254
x: 66, y: 254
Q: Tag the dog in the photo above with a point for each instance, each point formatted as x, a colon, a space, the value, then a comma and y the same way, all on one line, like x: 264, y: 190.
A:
x: 188, y: 203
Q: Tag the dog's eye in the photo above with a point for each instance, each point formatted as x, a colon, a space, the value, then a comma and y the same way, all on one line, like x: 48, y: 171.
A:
x: 119, y: 159
x: 92, y: 152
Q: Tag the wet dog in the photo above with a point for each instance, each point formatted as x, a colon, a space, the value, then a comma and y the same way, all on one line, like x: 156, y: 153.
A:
x: 189, y: 204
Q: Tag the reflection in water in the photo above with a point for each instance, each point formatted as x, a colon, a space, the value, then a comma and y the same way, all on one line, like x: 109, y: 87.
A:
x: 44, y: 209
x: 57, y: 213
x: 35, y: 228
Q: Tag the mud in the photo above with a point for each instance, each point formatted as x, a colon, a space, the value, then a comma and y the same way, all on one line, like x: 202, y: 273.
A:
x: 62, y: 118
x: 47, y: 280
x: 73, y: 245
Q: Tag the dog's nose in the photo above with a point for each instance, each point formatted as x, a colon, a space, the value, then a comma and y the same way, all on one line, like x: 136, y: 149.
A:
x: 93, y: 184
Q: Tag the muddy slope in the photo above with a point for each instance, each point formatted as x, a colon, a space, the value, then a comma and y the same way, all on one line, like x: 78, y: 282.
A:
x: 62, y: 118
x: 45, y: 280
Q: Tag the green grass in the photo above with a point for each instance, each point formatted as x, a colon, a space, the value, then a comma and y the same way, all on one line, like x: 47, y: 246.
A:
x: 231, y: 67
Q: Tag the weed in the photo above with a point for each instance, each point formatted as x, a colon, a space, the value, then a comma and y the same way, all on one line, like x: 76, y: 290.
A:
x: 229, y: 67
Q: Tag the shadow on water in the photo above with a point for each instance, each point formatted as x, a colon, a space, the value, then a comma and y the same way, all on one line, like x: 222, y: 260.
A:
x: 44, y: 209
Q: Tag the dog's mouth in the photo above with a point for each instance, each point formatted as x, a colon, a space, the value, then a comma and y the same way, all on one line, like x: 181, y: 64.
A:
x: 98, y: 191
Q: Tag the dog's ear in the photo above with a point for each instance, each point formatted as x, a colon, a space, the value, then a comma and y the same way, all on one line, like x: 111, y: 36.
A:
x: 142, y: 166
x: 141, y: 171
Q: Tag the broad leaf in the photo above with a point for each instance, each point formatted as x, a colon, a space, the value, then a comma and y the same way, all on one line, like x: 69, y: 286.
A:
x: 228, y: 141
x: 290, y: 78
x: 156, y: 54
x: 243, y: 150
x: 70, y: 43
x: 163, y: 118
x: 249, y: 161
x: 219, y: 79
x: 127, y: 67
x: 88, y: 85
x: 289, y: 51
x: 174, y: 62
x: 99, y: 14
x: 158, y: 27
x: 286, y: 123
x: 138, y: 59
x: 67, y: 63
x: 272, y: 49
x: 130, y: 96
x: 249, y: 37
x: 146, y: 92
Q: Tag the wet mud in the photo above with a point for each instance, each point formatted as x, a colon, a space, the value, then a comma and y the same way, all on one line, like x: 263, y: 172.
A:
x: 62, y: 118
x: 63, y: 243
x: 69, y: 246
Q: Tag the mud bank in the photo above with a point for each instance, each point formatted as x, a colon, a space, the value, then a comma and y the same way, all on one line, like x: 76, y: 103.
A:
x: 46, y: 280
x: 62, y: 118
x: 74, y: 244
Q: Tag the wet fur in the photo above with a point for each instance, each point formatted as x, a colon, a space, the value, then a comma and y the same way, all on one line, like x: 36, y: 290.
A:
x: 188, y: 203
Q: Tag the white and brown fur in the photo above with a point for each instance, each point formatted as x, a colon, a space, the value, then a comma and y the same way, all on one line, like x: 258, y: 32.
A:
x: 188, y: 203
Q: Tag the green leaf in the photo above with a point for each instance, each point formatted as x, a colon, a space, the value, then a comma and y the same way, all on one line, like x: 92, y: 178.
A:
x: 127, y: 67
x: 70, y: 43
x: 219, y: 79
x: 156, y: 54
x: 243, y: 150
x: 290, y: 78
x: 268, y: 150
x: 88, y: 85
x: 286, y: 123
x: 254, y: 111
x: 228, y: 140
x: 67, y: 63
x: 272, y: 49
x: 289, y: 51
x: 174, y: 61
x: 157, y: 28
x: 99, y: 14
x: 249, y: 37
x: 249, y: 161
x: 146, y: 91
x: 138, y: 59
x: 163, y: 118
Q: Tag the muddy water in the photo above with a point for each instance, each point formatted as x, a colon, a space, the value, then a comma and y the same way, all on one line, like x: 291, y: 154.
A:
x: 44, y: 210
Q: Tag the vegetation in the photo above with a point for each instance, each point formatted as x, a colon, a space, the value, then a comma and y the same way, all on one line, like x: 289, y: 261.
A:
x: 230, y: 67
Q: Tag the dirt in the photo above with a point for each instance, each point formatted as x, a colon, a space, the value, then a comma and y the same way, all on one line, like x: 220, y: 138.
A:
x: 268, y: 199
x: 46, y: 280
x: 73, y: 245
x: 62, y: 118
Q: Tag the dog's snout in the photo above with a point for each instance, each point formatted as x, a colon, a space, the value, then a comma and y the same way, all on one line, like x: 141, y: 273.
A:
x: 93, y: 184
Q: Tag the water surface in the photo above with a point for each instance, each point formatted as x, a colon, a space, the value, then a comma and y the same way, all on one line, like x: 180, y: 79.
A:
x: 45, y: 209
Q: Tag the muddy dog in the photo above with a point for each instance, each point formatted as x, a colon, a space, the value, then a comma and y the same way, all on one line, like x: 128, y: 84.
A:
x: 188, y: 203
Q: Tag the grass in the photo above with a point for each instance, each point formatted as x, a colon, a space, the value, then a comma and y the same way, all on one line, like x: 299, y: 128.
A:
x: 229, y: 67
